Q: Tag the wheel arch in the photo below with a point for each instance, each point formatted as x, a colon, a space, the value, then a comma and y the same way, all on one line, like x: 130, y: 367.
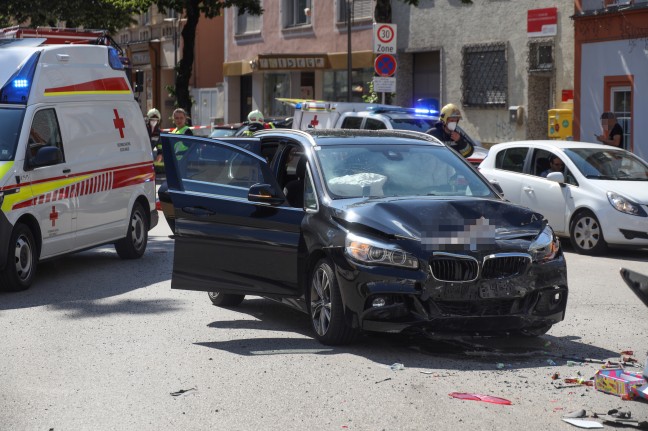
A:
x: 30, y: 221
x: 142, y: 200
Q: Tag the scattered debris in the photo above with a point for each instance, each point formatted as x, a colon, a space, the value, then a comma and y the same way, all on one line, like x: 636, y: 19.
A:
x: 579, y: 381
x: 555, y: 376
x: 623, y: 418
x: 182, y: 391
x: 573, y: 363
x: 617, y: 381
x: 479, y: 397
x: 384, y: 380
x: 551, y: 362
x: 576, y: 414
x: 581, y: 423
x: 397, y: 366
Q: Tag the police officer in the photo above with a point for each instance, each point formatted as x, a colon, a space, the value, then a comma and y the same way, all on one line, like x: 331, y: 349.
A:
x: 446, y: 131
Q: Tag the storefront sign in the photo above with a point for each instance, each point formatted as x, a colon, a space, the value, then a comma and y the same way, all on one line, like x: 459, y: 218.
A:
x: 542, y: 22
x: 291, y: 62
x: 141, y: 57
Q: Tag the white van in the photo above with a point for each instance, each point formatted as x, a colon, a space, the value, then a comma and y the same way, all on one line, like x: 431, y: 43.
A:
x: 76, y: 167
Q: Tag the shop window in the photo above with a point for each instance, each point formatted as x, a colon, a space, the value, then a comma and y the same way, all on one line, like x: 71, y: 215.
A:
x: 484, y: 77
x: 276, y: 85
x: 618, y: 98
x: 294, y: 13
x: 335, y: 85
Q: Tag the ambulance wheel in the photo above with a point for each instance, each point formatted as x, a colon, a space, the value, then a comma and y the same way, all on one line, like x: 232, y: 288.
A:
x: 21, y: 260
x: 133, y: 245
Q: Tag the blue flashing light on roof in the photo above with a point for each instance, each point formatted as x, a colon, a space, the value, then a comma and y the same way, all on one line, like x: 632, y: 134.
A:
x: 114, y: 60
x: 17, y: 88
x: 426, y: 111
x: 298, y: 105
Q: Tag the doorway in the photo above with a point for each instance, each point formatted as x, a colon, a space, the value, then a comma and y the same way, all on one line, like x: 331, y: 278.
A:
x: 246, y: 96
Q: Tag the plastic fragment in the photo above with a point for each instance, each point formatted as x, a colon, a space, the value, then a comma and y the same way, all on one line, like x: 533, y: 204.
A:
x: 576, y: 414
x: 397, y: 366
x: 555, y: 376
x: 182, y: 391
x: 573, y: 363
x: 550, y: 362
x: 479, y: 397
x: 580, y: 423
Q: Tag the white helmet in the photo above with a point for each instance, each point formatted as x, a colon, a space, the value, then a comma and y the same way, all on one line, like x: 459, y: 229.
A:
x: 255, y: 116
x: 153, y: 113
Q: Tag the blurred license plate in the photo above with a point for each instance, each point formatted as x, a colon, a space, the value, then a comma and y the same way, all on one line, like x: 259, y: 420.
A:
x: 496, y: 289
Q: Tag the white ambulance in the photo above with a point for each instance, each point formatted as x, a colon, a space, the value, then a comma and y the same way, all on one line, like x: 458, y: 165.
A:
x: 76, y: 167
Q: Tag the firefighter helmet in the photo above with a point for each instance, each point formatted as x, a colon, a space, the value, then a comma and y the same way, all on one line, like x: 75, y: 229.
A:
x: 449, y: 111
x: 255, y: 116
x: 153, y: 113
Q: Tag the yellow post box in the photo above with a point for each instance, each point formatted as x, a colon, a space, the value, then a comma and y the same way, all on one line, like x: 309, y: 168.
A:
x: 560, y: 123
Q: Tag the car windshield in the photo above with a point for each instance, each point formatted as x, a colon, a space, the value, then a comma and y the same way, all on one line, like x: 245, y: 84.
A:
x: 608, y: 164
x: 10, y: 124
x: 416, y: 124
x: 358, y: 170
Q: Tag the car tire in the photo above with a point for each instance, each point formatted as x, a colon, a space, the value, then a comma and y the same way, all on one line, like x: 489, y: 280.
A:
x: 22, y: 260
x: 586, y: 234
x: 325, y: 307
x: 225, y: 299
x: 133, y: 245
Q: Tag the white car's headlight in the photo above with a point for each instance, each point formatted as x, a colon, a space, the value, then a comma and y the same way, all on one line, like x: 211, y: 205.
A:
x: 625, y: 205
x: 545, y: 246
x: 374, y: 252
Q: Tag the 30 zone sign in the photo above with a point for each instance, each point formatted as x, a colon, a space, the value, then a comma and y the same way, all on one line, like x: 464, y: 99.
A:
x: 384, y: 38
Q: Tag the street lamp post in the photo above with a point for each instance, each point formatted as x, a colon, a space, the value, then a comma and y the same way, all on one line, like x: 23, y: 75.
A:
x: 176, y: 22
x: 349, y: 4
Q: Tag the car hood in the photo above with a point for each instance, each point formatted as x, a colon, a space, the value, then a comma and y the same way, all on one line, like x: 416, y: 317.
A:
x: 460, y: 222
x: 634, y: 190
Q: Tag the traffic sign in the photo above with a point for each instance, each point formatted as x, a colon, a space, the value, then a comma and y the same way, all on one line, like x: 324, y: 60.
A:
x: 385, y: 65
x: 384, y: 85
x: 384, y: 38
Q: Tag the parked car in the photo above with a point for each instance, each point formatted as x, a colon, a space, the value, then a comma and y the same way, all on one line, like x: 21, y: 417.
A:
x: 599, y: 199
x: 363, y: 230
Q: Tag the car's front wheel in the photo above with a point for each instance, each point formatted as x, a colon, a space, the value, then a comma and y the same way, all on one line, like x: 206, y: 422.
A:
x: 326, y: 307
x: 586, y: 234
x: 225, y: 299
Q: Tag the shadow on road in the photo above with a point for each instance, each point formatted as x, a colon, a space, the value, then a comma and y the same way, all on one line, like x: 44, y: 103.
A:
x: 73, y: 282
x: 420, y: 350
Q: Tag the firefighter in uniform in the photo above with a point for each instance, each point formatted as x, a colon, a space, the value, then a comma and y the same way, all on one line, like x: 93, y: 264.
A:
x: 446, y: 131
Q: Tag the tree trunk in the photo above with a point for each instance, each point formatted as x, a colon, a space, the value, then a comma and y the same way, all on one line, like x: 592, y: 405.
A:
x: 383, y: 12
x: 185, y: 65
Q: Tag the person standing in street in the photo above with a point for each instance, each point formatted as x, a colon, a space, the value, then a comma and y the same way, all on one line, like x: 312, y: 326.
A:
x: 446, y: 131
x: 153, y: 128
x: 612, y: 130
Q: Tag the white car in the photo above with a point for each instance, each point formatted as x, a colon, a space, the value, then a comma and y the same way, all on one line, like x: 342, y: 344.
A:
x: 599, y: 198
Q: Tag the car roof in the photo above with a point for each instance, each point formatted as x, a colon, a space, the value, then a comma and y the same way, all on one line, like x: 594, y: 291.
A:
x: 324, y: 137
x: 551, y: 143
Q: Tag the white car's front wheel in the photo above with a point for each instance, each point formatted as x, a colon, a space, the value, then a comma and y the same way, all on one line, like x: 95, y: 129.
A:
x: 586, y: 234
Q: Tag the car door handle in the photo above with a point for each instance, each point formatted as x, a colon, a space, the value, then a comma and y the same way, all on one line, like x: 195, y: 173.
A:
x: 198, y: 211
x: 67, y: 171
x: 527, y: 189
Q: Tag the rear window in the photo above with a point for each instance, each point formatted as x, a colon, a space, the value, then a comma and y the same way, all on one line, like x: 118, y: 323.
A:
x: 352, y: 123
x: 511, y: 159
x: 10, y: 123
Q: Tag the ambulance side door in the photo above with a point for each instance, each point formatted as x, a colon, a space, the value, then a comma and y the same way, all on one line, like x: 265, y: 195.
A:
x: 52, y: 189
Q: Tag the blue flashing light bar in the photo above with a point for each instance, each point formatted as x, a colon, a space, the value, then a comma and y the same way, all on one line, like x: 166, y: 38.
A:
x: 114, y: 60
x: 17, y: 88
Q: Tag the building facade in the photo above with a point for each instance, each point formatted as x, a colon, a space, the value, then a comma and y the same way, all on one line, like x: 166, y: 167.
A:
x: 296, y: 49
x: 154, y: 45
x: 611, y: 74
x: 504, y: 63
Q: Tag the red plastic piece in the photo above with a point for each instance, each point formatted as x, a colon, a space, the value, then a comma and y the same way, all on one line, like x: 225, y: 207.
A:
x: 479, y: 397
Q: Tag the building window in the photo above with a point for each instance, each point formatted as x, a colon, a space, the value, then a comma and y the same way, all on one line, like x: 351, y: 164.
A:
x: 541, y: 56
x: 335, y: 85
x: 246, y: 23
x: 294, y: 13
x: 145, y: 18
x: 361, y: 10
x: 276, y: 85
x: 484, y: 75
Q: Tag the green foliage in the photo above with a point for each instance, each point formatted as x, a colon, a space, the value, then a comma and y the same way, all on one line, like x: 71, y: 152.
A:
x: 95, y: 14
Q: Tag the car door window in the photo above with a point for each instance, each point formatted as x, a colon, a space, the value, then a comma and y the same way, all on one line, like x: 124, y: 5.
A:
x: 511, y: 159
x: 352, y: 123
x: 44, y: 132
x: 542, y: 164
x: 310, y: 198
x: 373, y: 124
x: 218, y: 168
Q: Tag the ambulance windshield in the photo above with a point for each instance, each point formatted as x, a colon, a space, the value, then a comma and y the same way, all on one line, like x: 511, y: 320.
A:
x: 10, y: 123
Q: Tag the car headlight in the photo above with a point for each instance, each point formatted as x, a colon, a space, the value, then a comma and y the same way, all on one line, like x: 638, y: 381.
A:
x: 378, y: 253
x: 545, y: 246
x: 625, y: 205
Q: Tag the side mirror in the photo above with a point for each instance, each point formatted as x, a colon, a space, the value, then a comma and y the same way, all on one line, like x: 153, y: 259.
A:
x: 46, y: 156
x: 556, y: 176
x: 264, y: 193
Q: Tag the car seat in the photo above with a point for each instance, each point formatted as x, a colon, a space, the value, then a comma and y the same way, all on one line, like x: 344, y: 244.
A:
x: 294, y: 189
x: 542, y: 164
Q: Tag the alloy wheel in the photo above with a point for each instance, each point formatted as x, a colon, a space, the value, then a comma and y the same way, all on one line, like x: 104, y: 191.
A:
x: 320, y: 298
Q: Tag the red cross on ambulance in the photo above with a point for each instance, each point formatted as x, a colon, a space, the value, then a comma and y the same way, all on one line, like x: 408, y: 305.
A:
x: 119, y: 124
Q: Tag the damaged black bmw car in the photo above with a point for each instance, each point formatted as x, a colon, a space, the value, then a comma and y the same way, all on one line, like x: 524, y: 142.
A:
x: 363, y: 230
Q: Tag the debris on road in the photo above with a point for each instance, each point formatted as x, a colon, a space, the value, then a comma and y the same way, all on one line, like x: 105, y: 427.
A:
x: 480, y: 397
x: 397, y: 366
x: 182, y: 391
x: 617, y: 381
x: 582, y: 423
